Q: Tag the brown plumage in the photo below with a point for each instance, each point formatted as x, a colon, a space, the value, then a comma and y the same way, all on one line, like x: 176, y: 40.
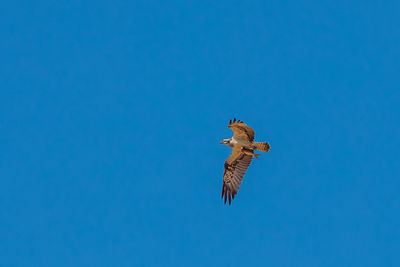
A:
x: 241, y: 131
x: 262, y: 146
x: 242, y: 153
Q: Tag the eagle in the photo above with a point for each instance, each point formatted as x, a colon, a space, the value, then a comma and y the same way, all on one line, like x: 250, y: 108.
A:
x: 242, y: 153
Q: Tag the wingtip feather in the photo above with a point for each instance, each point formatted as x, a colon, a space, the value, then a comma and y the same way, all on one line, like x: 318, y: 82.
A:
x: 235, y: 121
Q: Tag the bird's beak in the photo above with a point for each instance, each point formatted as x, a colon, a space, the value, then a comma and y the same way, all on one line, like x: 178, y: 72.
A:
x: 221, y: 142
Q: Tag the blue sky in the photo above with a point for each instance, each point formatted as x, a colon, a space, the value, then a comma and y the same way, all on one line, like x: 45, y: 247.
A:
x: 111, y: 113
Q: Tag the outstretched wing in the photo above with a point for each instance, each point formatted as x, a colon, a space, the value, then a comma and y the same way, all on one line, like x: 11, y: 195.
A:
x: 235, y: 167
x: 241, y: 131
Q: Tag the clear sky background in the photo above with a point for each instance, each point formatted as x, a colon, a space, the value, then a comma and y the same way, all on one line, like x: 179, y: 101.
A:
x: 111, y: 113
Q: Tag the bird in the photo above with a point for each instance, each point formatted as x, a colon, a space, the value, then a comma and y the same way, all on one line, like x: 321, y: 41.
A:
x: 243, y: 147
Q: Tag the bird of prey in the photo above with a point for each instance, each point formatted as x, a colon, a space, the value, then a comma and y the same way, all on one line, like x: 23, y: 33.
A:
x: 242, y: 153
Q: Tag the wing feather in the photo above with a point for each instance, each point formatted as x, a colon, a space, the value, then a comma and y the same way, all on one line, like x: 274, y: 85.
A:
x: 235, y: 168
x: 241, y: 131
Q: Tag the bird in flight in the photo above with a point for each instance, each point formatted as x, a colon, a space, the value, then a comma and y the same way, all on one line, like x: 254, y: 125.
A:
x: 242, y: 153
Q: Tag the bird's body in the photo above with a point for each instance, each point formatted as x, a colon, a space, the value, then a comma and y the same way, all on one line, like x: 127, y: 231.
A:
x: 233, y: 141
x: 242, y: 153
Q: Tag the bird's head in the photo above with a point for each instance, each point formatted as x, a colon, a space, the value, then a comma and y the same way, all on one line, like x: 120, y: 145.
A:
x: 226, y: 142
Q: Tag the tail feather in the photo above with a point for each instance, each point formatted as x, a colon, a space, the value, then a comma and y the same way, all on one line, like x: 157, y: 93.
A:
x: 262, y: 146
